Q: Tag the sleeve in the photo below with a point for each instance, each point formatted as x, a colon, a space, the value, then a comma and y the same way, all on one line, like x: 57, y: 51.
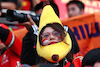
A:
x: 29, y: 54
x: 75, y: 47
x: 10, y: 40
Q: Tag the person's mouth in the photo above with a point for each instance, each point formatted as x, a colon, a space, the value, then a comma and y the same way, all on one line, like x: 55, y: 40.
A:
x: 52, y: 43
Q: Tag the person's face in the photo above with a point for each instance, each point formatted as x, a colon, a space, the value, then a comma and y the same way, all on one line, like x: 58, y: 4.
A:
x: 39, y: 11
x: 0, y: 13
x: 73, y: 10
x: 50, y: 36
x: 97, y: 64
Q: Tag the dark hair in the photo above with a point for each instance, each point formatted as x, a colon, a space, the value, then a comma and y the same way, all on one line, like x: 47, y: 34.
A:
x: 0, y: 8
x: 78, y: 3
x: 56, y: 27
x: 91, y: 57
x: 40, y: 6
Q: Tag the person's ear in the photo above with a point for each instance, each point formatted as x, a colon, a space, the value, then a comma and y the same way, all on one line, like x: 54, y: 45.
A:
x: 82, y: 11
x: 0, y: 13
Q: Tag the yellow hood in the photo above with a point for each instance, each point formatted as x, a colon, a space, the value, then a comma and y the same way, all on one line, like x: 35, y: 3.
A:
x: 61, y: 49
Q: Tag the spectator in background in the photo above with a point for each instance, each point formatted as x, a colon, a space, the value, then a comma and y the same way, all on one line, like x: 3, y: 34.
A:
x: 39, y: 7
x: 34, y: 3
x: 92, y: 58
x: 10, y: 47
x: 75, y: 8
x: 9, y: 4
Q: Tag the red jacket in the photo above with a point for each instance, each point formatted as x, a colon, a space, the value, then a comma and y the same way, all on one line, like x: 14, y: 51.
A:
x: 77, y: 63
x: 11, y: 57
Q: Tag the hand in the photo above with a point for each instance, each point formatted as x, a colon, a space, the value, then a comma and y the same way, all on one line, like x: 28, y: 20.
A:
x: 29, y: 23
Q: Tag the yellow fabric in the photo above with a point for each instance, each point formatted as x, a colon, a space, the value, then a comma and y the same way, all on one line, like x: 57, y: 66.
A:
x: 48, y: 16
x: 62, y: 49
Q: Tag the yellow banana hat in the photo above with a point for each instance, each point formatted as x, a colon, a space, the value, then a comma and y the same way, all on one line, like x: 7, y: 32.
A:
x: 60, y: 49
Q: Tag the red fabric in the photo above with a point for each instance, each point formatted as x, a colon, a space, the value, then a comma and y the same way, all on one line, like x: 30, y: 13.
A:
x: 33, y: 66
x: 76, y: 63
x: 67, y: 65
x: 26, y: 4
x: 11, y: 57
x: 4, y: 26
x: 9, y: 36
x: 9, y: 39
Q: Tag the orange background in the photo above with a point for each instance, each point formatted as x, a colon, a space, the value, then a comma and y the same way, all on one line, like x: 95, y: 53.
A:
x: 20, y: 33
x: 90, y: 7
x: 85, y: 44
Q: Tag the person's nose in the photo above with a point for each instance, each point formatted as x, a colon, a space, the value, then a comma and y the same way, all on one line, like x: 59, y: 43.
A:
x: 70, y: 12
x: 52, y: 37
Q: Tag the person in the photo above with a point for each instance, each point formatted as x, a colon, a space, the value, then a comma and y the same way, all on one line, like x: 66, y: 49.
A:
x: 50, y: 34
x: 39, y: 7
x: 28, y: 39
x: 75, y: 8
x: 27, y: 56
x: 34, y: 3
x: 10, y: 48
x: 92, y: 58
x: 55, y: 25
x: 9, y: 4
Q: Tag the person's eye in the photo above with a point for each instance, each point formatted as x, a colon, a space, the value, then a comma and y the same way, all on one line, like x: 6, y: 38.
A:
x: 45, y: 36
x: 73, y: 8
x: 56, y: 33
